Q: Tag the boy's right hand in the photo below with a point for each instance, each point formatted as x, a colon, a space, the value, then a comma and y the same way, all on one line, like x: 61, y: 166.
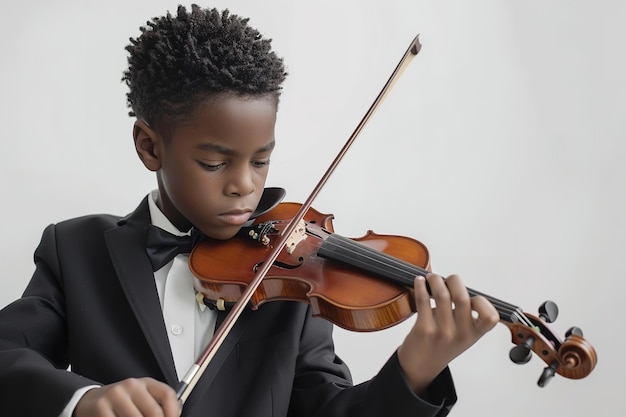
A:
x: 132, y: 397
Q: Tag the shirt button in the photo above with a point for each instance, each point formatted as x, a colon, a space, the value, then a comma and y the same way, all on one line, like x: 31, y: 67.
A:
x: 177, y: 329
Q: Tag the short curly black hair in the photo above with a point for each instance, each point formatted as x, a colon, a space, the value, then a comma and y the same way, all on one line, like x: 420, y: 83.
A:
x: 177, y: 62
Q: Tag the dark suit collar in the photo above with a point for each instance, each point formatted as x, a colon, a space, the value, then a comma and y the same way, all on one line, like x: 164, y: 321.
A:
x: 210, y: 373
x: 126, y: 244
x: 140, y: 217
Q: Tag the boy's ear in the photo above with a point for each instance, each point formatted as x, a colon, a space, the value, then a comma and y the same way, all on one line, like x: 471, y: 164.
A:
x: 147, y: 143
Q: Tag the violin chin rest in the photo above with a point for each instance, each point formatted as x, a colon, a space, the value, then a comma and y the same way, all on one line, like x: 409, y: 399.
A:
x: 271, y: 197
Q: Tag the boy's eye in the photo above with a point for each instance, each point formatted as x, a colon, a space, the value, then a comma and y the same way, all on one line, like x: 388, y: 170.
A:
x: 214, y: 167
x: 262, y: 163
x: 211, y: 167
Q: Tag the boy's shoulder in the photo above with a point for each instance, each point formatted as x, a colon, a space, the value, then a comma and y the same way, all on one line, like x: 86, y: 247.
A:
x: 90, y: 221
x: 76, y: 237
x: 103, y: 221
x: 80, y: 232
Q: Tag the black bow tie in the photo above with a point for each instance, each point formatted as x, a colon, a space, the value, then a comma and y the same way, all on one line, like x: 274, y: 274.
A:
x: 162, y: 246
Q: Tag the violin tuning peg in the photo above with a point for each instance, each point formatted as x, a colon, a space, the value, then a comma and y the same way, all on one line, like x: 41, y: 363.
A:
x: 522, y: 353
x: 549, y: 311
x: 574, y: 330
x: 547, y: 374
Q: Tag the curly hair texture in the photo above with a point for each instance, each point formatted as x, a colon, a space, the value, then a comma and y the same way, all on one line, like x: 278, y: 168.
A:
x: 177, y: 62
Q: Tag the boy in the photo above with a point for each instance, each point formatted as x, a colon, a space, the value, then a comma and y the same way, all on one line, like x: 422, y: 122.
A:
x: 204, y: 88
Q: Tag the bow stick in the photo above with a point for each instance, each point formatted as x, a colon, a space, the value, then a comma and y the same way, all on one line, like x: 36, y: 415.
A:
x: 192, y: 376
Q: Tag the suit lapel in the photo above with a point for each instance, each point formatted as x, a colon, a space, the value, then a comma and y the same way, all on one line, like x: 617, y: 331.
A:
x: 207, y: 378
x: 126, y: 246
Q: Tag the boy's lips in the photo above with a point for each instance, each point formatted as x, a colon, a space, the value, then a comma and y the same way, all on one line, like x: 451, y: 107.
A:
x: 236, y: 217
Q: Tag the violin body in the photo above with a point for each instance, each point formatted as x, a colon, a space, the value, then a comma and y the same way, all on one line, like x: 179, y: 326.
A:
x: 337, y: 292
x: 360, y: 284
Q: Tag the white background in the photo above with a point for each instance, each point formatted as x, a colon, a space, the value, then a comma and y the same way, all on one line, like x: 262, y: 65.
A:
x: 501, y: 148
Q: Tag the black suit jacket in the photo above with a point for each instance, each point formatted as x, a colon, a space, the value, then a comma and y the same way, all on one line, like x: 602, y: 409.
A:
x: 92, y: 304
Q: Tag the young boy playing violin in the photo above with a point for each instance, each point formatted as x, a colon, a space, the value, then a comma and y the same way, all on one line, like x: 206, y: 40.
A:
x: 204, y: 88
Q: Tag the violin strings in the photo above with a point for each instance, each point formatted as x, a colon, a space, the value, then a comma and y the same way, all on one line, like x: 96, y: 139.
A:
x: 397, y: 270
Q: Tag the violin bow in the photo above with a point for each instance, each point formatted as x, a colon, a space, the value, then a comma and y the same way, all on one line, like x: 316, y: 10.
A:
x: 194, y: 373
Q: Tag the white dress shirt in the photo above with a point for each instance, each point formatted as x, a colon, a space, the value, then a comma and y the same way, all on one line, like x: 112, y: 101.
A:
x: 189, y: 324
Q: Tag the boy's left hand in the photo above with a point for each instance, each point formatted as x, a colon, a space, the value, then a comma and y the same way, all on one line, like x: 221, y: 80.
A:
x: 443, y: 332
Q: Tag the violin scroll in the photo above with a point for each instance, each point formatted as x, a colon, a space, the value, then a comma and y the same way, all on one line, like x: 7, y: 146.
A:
x: 572, y: 357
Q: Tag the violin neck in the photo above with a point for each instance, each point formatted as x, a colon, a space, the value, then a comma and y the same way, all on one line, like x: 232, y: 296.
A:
x: 355, y: 254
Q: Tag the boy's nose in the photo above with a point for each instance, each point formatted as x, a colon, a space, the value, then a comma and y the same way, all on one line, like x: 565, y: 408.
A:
x: 241, y: 183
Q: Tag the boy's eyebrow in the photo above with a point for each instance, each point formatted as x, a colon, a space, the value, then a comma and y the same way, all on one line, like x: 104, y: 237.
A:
x: 214, y: 147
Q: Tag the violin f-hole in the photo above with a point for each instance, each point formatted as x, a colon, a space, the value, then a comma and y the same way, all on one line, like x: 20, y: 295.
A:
x: 281, y: 264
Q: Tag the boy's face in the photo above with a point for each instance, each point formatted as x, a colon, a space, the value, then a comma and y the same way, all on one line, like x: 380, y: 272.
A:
x: 212, y: 170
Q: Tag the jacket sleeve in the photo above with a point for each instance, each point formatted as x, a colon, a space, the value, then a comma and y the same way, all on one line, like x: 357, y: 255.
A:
x: 34, y: 380
x: 387, y: 394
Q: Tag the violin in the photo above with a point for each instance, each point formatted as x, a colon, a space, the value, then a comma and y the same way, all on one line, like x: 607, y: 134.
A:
x: 361, y: 284
x: 365, y: 284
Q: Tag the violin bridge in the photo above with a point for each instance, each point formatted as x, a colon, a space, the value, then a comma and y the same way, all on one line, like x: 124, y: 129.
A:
x: 261, y: 234
x: 298, y: 235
